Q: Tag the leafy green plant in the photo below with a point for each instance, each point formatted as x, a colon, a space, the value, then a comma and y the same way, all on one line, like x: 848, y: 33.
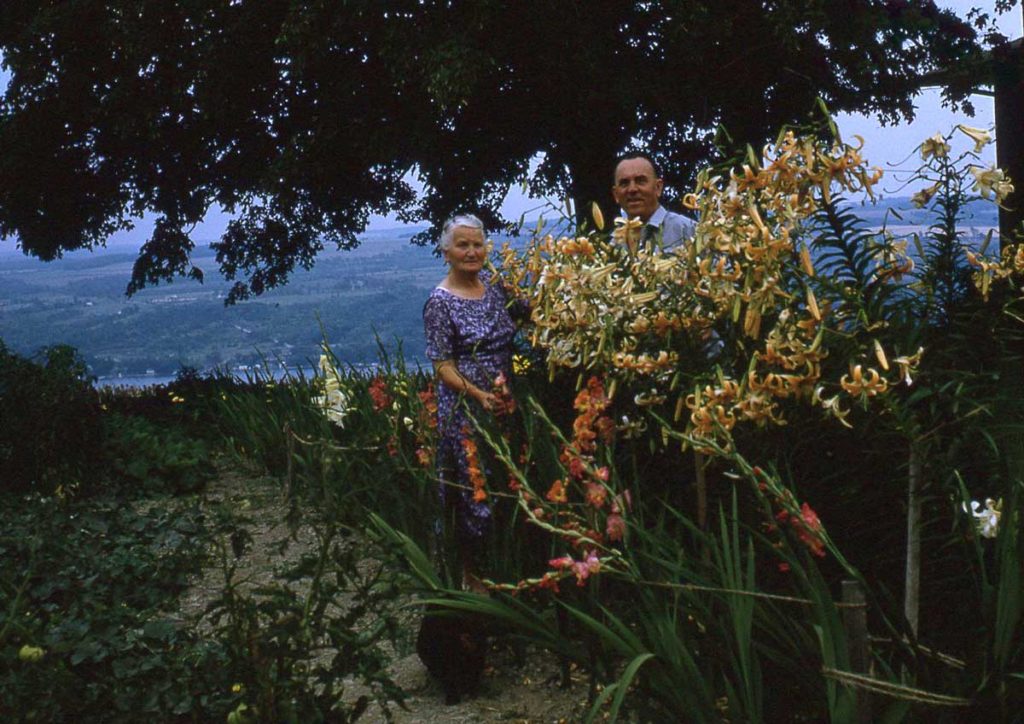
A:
x: 49, y: 422
x: 89, y: 589
x: 291, y: 645
x: 145, y: 456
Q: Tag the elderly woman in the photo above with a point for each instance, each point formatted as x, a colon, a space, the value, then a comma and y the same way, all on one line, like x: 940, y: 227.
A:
x: 469, y: 340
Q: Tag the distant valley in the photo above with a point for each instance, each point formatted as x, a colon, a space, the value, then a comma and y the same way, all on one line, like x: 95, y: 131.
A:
x: 79, y: 300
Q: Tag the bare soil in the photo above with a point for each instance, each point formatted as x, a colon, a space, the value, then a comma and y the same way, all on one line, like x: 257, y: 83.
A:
x: 517, y: 685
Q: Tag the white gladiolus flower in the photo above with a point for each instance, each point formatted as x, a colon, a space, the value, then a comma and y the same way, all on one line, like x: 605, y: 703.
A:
x: 334, y: 404
x: 986, y: 519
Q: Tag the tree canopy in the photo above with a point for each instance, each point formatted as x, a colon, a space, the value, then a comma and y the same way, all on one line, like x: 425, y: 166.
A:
x: 302, y: 117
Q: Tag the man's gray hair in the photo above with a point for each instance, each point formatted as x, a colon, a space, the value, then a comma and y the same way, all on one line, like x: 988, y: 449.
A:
x: 448, y: 230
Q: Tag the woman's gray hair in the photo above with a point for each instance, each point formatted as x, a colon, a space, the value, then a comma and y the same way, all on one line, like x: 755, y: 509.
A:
x: 448, y: 230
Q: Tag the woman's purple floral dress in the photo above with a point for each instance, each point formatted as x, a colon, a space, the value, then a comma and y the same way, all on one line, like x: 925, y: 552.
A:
x: 477, y: 334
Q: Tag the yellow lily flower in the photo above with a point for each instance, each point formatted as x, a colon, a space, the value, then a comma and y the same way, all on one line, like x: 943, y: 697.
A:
x: 857, y: 383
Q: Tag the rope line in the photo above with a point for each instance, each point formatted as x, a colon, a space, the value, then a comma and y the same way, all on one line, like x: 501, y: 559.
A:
x: 890, y: 689
x: 332, y: 446
x: 738, y: 592
x: 946, y: 659
x: 339, y: 448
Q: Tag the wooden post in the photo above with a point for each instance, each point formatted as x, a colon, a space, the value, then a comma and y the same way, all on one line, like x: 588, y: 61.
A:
x: 855, y: 621
x: 289, y: 464
x: 701, y: 479
x: 912, y: 576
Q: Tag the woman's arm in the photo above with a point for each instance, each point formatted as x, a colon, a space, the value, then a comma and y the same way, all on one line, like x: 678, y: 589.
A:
x: 449, y: 374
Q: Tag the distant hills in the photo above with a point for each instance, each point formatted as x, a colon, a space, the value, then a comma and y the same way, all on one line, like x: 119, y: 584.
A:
x: 378, y: 288
x: 79, y: 300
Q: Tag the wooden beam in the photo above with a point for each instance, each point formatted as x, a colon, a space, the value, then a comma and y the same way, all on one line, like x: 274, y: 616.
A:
x: 1008, y: 81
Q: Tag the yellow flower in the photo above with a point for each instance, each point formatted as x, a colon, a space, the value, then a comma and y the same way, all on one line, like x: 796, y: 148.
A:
x: 30, y: 654
x: 832, y: 407
x: 595, y: 211
x: 627, y: 231
x: 857, y: 383
x: 908, y: 363
x: 236, y: 689
x: 805, y: 260
x: 980, y: 136
x: 935, y: 146
x: 880, y: 355
x: 991, y: 180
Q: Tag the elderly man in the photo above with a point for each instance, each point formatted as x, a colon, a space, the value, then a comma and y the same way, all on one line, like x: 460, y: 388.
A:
x: 637, y: 190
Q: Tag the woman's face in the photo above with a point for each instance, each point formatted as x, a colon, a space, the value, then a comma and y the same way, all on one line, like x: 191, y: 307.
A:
x: 467, y: 251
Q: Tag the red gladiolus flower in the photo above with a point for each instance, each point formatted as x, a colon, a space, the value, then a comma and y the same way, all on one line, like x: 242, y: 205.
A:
x: 556, y: 494
x: 379, y: 394
x: 596, y: 494
x: 615, y: 527
x: 563, y: 563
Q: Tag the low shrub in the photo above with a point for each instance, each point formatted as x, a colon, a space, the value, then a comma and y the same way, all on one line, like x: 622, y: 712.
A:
x: 50, y: 428
x: 86, y: 625
x: 147, y: 456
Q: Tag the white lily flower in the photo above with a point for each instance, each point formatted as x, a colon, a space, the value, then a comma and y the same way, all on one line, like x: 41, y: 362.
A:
x: 991, y: 181
x: 935, y: 146
x: 980, y: 136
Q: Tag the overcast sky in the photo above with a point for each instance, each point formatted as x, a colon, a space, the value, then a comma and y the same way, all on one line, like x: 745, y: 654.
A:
x: 885, y: 147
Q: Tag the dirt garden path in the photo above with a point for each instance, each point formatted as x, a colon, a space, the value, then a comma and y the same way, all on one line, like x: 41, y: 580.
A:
x: 514, y: 688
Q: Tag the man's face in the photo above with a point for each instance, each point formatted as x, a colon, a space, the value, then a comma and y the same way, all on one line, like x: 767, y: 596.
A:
x: 636, y: 188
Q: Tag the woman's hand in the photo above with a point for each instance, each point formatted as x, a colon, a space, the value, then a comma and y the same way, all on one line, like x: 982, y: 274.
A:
x: 449, y: 374
x: 490, y: 402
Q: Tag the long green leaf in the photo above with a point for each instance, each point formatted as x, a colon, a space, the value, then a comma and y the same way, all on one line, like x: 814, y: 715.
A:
x: 619, y: 688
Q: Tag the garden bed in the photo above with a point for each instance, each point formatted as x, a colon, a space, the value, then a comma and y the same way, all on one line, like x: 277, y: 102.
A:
x: 520, y: 684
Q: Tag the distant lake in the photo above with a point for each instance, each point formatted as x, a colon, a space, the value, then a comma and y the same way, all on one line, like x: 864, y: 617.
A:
x: 140, y: 381
x: 158, y: 380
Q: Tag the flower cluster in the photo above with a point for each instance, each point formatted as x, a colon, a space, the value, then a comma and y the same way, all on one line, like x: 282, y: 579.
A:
x: 801, y: 519
x: 645, y: 318
x: 379, y: 394
x: 1010, y: 263
x: 335, y: 402
x: 806, y: 526
x: 501, y: 390
x: 582, y: 568
x: 425, y: 429
x: 473, y: 468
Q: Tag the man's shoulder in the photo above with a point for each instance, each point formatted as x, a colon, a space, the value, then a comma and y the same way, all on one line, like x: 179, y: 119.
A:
x: 676, y: 228
x: 678, y: 218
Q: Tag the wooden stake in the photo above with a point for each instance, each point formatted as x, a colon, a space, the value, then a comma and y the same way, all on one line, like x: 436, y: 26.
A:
x: 855, y: 621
